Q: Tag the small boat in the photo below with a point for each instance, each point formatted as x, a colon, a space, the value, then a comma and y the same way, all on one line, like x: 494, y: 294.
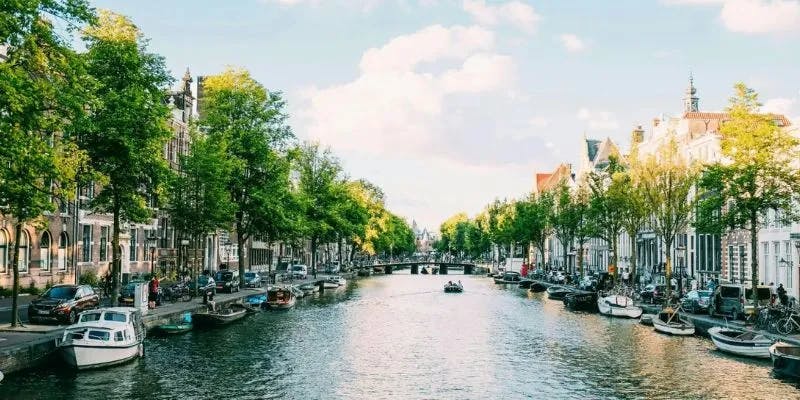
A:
x: 424, y: 271
x: 618, y: 306
x: 451, y: 287
x: 255, y: 300
x: 309, y: 288
x: 280, y: 298
x: 525, y: 283
x: 233, y: 312
x: 508, y: 277
x: 299, y: 293
x: 581, y: 301
x: 785, y: 359
x: 647, y: 319
x: 538, y: 287
x: 330, y: 285
x: 669, y: 321
x: 557, y: 292
x: 364, y: 272
x: 176, y: 328
x: 103, y: 337
x: 338, y: 280
x: 740, y: 342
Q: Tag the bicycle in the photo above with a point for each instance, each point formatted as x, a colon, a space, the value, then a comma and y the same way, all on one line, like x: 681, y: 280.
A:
x: 788, y: 324
x: 178, y: 292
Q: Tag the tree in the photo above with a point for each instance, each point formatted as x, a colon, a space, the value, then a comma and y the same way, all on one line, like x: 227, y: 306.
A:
x: 128, y: 129
x: 240, y: 112
x: 585, y: 227
x: 372, y: 199
x: 533, y: 218
x: 43, y: 91
x: 759, y: 173
x: 635, y: 208
x: 666, y: 181
x: 565, y: 218
x: 606, y: 204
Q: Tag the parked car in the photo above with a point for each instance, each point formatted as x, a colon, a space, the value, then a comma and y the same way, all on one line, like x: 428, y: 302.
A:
x: 203, y: 284
x: 696, y: 300
x: 332, y: 268
x: 63, y: 303
x: 299, y: 271
x: 227, y: 280
x: 736, y: 299
x: 653, y: 293
x: 252, y: 279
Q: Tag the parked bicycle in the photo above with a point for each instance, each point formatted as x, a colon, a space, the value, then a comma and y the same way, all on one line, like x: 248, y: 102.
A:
x: 178, y: 291
x: 789, y: 324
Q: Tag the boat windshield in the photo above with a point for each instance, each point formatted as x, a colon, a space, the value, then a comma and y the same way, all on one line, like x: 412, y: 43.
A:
x: 60, y: 292
x: 115, y: 316
x: 99, y: 335
x: 89, y: 317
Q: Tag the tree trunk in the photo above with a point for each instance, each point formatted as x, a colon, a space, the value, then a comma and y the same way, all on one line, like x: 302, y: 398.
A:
x: 668, y: 269
x: 340, y: 251
x: 566, y: 258
x: 580, y: 258
x: 615, y: 257
x: 314, y: 256
x: 15, y: 284
x: 754, y: 256
x: 240, y: 240
x: 116, y: 265
x: 632, y: 274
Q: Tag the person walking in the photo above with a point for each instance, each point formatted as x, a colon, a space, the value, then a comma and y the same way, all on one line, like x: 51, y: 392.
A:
x: 152, y: 297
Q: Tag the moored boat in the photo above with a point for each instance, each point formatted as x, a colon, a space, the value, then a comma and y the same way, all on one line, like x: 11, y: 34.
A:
x: 338, y: 280
x: 557, y: 292
x: 785, y: 359
x: 508, y: 277
x: 299, y: 293
x: 452, y: 287
x: 255, y: 300
x: 330, y: 285
x: 618, y: 306
x: 538, y: 287
x: 309, y: 288
x: 233, y: 312
x: 280, y: 298
x: 176, y: 328
x: 581, y: 301
x: 669, y: 321
x: 647, y: 319
x: 525, y: 283
x: 103, y: 337
x: 740, y: 342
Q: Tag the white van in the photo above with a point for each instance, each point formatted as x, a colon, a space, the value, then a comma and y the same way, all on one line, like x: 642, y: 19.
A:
x: 298, y: 271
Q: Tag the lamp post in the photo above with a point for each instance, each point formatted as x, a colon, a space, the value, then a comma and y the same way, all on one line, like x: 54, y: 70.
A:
x: 151, y: 242
x: 680, y: 252
x: 796, y: 283
x: 227, y: 254
x: 184, y: 245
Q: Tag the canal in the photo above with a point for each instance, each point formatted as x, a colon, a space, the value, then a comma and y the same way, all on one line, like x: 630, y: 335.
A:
x: 400, y: 337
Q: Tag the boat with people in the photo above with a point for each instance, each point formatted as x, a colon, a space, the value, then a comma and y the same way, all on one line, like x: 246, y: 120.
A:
x: 507, y: 278
x: 176, y: 328
x: 618, y: 306
x: 280, y: 298
x: 785, y: 359
x: 103, y: 337
x: 218, y: 317
x: 669, y: 321
x: 537, y: 287
x: 740, y: 342
x: 557, y: 292
x: 338, y: 280
x: 452, y: 287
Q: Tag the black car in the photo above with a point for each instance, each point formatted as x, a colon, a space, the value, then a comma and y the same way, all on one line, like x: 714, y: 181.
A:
x: 227, y: 280
x: 63, y: 303
x: 657, y: 293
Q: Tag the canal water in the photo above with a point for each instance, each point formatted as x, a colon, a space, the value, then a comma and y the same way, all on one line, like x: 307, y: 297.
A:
x: 400, y: 337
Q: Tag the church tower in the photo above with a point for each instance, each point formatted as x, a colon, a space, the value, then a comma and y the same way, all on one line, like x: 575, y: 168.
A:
x: 691, y: 103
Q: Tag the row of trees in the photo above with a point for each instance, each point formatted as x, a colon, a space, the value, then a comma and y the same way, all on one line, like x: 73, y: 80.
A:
x: 662, y: 192
x: 70, y: 118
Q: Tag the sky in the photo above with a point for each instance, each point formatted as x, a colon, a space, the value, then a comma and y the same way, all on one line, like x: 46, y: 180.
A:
x: 447, y: 105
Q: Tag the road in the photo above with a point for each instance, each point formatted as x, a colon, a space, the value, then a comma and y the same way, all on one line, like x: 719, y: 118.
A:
x: 5, y: 308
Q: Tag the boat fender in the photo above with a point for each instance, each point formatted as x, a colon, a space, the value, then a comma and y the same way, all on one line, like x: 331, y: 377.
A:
x: 141, y: 350
x: 1, y: 376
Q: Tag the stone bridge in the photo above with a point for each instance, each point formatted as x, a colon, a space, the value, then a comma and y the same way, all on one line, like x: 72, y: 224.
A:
x: 444, y: 267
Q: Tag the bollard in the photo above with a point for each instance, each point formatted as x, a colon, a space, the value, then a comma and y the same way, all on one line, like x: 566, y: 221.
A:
x: 415, y: 269
x: 321, y: 285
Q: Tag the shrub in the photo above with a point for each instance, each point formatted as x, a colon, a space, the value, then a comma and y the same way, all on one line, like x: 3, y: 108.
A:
x: 5, y: 292
x: 89, y: 277
x: 31, y: 289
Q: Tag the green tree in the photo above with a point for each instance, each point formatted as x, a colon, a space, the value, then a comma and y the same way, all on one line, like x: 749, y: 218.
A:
x: 128, y: 129
x: 43, y: 91
x: 758, y: 175
x: 606, y: 205
x: 533, y: 219
x: 585, y: 226
x: 565, y: 218
x: 239, y: 111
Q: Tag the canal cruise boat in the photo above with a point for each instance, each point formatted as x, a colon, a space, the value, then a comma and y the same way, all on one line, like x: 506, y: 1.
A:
x: 103, y: 337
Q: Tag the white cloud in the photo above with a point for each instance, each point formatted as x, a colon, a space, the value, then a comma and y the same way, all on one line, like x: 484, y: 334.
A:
x: 788, y: 107
x: 661, y: 54
x: 754, y: 16
x: 572, y: 42
x: 539, y: 122
x: 598, y: 120
x: 516, y: 13
x: 395, y: 106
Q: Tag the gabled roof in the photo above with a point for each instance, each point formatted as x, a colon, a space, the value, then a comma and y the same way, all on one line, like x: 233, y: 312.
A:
x: 562, y: 173
x: 540, y: 179
x: 591, y: 148
x: 605, y: 151
x: 779, y: 119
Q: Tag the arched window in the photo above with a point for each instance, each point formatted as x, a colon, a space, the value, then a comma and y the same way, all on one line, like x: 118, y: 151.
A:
x: 3, y: 250
x: 24, y: 251
x: 44, y: 251
x: 63, y: 242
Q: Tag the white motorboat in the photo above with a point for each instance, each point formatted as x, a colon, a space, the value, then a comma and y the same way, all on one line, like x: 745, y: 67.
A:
x: 103, y: 337
x: 281, y: 298
x: 618, y: 306
x: 740, y: 342
x: 330, y: 285
x: 670, y: 322
x: 338, y: 280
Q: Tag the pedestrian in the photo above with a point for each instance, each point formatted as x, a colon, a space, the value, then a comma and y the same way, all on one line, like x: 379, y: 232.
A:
x: 152, y: 296
x: 782, y: 295
x: 625, y: 276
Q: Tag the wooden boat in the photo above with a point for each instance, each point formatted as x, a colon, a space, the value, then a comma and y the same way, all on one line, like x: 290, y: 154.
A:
x: 618, y: 306
x: 525, y: 283
x: 740, y: 342
x: 103, y: 337
x: 537, y: 287
x: 670, y: 322
x: 581, y: 301
x: 557, y: 292
x: 173, y: 329
x: 451, y: 287
x: 647, y: 319
x: 785, y: 359
x: 233, y: 312
x: 280, y: 298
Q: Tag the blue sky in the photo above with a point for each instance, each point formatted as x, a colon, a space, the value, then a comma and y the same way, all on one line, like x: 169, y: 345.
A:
x: 450, y: 104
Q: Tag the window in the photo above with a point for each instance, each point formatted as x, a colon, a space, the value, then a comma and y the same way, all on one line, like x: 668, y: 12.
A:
x: 118, y: 337
x: 103, y: 243
x: 113, y: 316
x: 87, y: 243
x: 24, y: 251
x: 3, y: 251
x: 133, y: 244
x: 63, y: 242
x: 44, y: 251
x: 99, y: 335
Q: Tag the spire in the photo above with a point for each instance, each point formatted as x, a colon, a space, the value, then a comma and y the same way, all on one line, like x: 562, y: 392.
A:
x: 187, y: 82
x: 691, y: 103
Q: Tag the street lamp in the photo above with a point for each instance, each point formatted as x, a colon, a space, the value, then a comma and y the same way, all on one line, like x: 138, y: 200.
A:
x: 228, y: 254
x: 152, y: 241
x: 680, y: 252
x: 184, y: 244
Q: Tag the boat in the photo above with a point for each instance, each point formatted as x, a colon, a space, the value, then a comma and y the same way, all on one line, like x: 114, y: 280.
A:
x: 364, y: 272
x: 669, y: 321
x: 618, y: 306
x: 233, y: 312
x: 557, y: 292
x: 176, y: 328
x: 255, y: 300
x: 330, y: 285
x: 309, y: 288
x: 280, y: 298
x: 424, y: 271
x: 581, y: 301
x: 740, y: 342
x: 785, y: 359
x: 537, y: 287
x: 508, y: 277
x: 525, y: 283
x: 452, y: 287
x: 103, y: 337
x: 647, y: 319
x: 338, y: 280
x: 299, y: 293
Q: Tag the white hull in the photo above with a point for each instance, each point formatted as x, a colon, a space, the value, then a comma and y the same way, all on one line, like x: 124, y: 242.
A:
x: 624, y: 308
x: 85, y: 357
x: 330, y: 285
x: 283, y: 306
x: 678, y: 329
x: 752, y: 348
